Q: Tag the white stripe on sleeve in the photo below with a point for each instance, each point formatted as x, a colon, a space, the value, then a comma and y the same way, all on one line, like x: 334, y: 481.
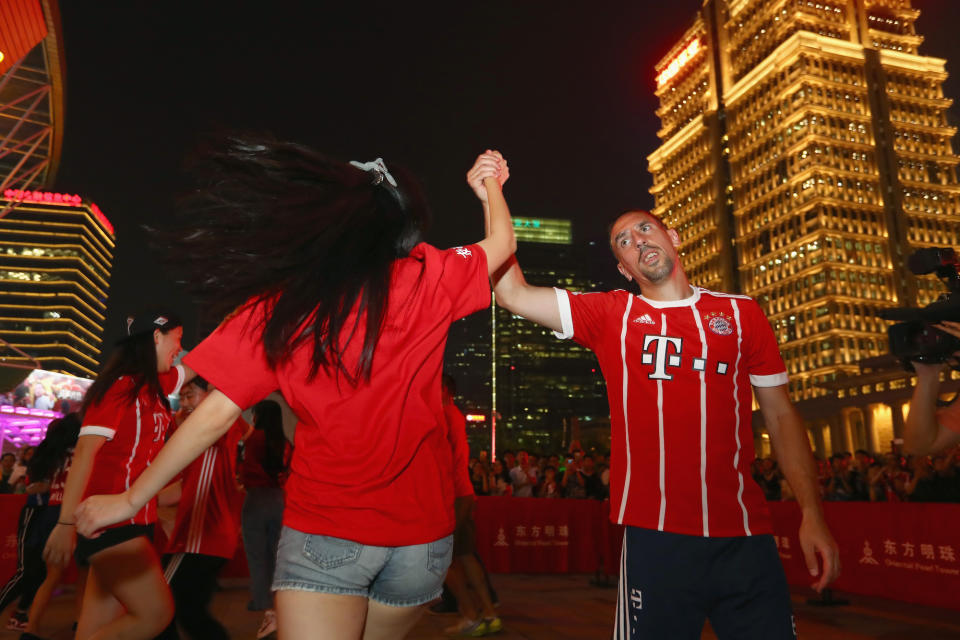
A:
x: 774, y: 380
x: 181, y: 375
x: 93, y: 430
x: 566, y: 317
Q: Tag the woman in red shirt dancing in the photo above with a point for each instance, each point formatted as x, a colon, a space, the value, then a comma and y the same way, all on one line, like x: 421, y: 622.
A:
x: 341, y: 307
x: 125, y: 420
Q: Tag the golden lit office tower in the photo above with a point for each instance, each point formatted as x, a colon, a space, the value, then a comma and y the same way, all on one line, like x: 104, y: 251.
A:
x: 806, y: 152
x: 56, y: 252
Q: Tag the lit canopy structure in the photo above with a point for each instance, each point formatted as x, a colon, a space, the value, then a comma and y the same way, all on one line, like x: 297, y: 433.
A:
x: 31, y: 93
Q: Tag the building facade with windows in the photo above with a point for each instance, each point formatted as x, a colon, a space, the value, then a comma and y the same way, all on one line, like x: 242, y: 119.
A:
x: 806, y: 152
x: 543, y: 392
x: 56, y: 252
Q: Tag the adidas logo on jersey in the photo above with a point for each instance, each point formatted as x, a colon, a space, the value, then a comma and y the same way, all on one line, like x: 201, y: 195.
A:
x: 644, y: 319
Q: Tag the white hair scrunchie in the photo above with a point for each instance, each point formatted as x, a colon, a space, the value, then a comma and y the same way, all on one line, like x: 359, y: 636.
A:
x: 378, y: 168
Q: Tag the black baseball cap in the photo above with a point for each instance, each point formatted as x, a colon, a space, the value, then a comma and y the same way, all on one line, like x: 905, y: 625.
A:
x: 149, y: 321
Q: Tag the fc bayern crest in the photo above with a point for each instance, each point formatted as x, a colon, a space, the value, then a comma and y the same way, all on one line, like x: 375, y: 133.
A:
x: 720, y: 323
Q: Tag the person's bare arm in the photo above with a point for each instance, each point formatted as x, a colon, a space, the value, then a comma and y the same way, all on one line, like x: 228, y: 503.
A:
x: 922, y: 434
x: 63, y: 539
x: 486, y: 177
x: 169, y: 496
x: 789, y: 439
x: 206, y: 425
x: 511, y: 290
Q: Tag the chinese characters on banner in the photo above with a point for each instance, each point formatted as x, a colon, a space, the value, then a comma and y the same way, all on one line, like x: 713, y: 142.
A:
x: 902, y: 551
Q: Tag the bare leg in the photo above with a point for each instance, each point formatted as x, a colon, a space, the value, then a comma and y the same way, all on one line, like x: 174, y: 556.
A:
x: 457, y: 583
x: 130, y: 573
x: 42, y: 597
x: 389, y: 623
x: 308, y: 615
x: 478, y: 582
x: 97, y: 607
x: 82, y: 574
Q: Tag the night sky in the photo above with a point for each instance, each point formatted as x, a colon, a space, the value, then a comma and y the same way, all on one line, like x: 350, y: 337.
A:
x: 563, y: 89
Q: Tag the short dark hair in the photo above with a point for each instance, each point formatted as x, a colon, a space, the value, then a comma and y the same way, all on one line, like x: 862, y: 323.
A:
x: 449, y: 384
x: 199, y: 383
x: 4, y: 456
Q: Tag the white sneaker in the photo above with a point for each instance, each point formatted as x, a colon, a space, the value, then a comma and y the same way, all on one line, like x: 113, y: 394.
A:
x: 268, y: 625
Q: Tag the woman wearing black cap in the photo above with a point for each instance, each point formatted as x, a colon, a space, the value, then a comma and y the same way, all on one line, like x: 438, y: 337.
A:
x: 344, y: 309
x: 125, y: 419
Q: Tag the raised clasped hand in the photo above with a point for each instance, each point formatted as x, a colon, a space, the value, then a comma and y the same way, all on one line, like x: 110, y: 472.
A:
x: 490, y: 164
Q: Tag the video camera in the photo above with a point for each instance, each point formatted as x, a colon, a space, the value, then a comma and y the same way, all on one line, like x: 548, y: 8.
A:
x: 913, y: 338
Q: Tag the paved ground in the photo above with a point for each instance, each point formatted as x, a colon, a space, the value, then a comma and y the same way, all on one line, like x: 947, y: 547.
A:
x: 536, y: 607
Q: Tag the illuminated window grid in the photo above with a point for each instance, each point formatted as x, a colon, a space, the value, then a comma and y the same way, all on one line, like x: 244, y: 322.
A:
x: 64, y: 222
x: 686, y: 95
x: 55, y: 265
x: 802, y: 165
x: 810, y: 224
x: 43, y: 253
x: 543, y: 230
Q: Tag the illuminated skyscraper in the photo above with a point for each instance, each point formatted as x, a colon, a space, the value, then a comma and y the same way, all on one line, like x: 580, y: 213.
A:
x: 806, y: 153
x: 544, y: 386
x: 56, y: 252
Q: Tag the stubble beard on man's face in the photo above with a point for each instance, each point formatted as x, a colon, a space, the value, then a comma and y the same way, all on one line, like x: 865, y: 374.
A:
x: 657, y: 275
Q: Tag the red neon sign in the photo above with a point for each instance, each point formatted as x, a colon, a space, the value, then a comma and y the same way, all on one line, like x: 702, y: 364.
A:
x: 677, y: 63
x: 62, y: 199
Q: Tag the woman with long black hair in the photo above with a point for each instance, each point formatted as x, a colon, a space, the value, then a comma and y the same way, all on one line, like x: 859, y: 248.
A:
x: 125, y: 419
x: 344, y: 310
x: 46, y: 470
x: 264, y: 466
x: 51, y: 462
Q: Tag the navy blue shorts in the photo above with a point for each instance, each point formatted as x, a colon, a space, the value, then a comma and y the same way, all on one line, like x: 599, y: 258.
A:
x: 670, y: 584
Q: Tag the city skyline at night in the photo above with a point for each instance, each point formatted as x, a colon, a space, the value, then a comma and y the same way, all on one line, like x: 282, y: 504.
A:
x: 806, y: 153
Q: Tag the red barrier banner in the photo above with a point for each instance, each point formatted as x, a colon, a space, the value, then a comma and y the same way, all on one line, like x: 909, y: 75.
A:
x: 540, y: 535
x: 902, y: 551
x: 10, y: 506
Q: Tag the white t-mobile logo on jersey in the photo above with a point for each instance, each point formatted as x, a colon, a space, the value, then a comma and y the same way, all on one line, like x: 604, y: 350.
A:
x: 660, y: 358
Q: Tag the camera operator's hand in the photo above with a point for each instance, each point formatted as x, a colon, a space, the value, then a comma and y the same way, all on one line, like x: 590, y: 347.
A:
x: 947, y: 326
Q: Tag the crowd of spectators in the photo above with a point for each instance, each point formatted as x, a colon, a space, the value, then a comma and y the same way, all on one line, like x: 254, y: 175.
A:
x: 863, y: 476
x: 858, y: 476
x: 522, y: 474
x: 13, y: 470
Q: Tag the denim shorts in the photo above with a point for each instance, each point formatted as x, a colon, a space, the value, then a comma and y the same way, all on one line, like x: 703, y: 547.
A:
x: 395, y: 576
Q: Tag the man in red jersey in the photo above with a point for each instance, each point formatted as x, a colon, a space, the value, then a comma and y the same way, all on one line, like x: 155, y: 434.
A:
x: 680, y: 362
x: 207, y: 527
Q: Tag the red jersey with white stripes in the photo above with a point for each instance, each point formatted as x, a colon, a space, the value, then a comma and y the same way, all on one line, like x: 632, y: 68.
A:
x: 208, y: 515
x: 135, y: 431
x: 679, y: 376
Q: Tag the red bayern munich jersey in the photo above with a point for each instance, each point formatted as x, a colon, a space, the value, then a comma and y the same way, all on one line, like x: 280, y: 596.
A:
x: 368, y: 460
x: 679, y: 376
x: 135, y: 431
x: 208, y: 515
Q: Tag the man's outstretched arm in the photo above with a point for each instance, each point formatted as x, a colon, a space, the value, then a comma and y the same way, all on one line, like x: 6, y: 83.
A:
x: 538, y: 304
